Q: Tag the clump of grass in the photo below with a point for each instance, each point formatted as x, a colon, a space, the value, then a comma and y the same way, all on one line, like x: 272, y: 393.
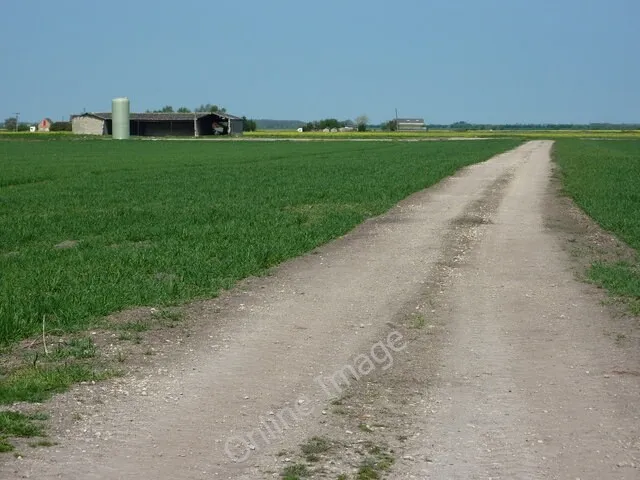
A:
x: 20, y: 425
x: 132, y: 337
x: 363, y: 427
x: 5, y: 446
x: 168, y: 317
x: 340, y: 400
x: 373, y: 466
x: 620, y: 279
x: 17, y: 424
x: 417, y: 320
x: 80, y: 348
x: 295, y: 472
x: 34, y: 384
x: 40, y: 416
x: 135, y: 326
x: 315, y: 446
x: 43, y: 443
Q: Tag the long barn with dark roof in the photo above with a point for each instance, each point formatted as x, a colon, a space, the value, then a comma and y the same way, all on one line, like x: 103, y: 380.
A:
x: 161, y: 124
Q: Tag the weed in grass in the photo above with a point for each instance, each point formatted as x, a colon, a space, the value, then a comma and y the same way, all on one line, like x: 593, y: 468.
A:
x: 244, y: 211
x: 342, y: 476
x: 295, y: 472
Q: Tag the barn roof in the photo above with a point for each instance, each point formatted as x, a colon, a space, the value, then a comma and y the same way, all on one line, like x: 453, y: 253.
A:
x: 161, y: 116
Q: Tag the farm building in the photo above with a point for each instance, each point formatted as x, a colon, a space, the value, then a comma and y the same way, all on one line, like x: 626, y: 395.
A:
x: 411, y: 125
x: 161, y: 124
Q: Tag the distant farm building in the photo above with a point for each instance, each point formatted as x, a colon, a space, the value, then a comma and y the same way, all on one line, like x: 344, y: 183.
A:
x: 161, y: 124
x: 411, y: 125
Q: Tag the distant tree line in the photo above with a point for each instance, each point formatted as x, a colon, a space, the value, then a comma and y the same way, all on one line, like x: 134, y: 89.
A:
x: 10, y: 125
x: 249, y: 125
x: 390, y: 126
x: 361, y: 124
x: 207, y: 107
x: 536, y: 126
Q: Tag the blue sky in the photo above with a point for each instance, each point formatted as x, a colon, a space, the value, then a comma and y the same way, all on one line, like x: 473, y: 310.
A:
x: 494, y: 61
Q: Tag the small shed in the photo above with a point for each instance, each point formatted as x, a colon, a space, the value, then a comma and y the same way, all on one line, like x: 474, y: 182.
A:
x: 161, y: 124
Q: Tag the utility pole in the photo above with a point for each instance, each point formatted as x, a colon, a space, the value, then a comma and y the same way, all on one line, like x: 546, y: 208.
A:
x: 17, y: 114
x: 396, y: 119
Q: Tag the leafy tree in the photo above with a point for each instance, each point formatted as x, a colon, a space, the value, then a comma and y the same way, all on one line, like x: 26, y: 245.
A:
x: 183, y: 110
x: 248, y: 125
x: 390, y: 126
x: 362, y: 122
x: 166, y: 109
x: 10, y: 123
x: 330, y: 123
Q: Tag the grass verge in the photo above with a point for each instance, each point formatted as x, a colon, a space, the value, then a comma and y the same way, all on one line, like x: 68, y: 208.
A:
x: 37, y: 384
x: 603, y: 178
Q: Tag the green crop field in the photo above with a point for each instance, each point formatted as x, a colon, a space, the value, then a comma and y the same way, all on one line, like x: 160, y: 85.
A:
x: 603, y: 177
x: 162, y: 222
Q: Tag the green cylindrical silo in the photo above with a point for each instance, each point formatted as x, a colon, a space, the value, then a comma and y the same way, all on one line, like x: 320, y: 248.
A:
x: 120, y: 118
